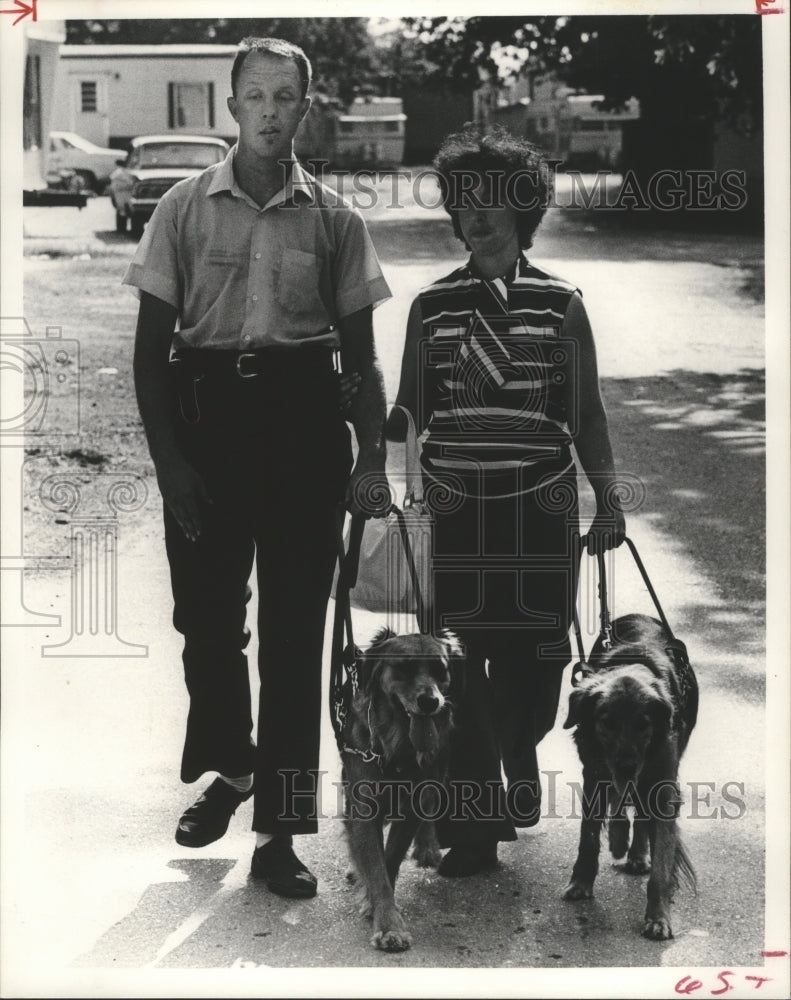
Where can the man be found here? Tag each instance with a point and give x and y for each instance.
(265, 272)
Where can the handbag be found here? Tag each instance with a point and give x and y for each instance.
(384, 582)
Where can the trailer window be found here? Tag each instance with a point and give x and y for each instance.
(89, 97)
(191, 105)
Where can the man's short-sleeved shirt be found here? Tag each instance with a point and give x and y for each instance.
(244, 276)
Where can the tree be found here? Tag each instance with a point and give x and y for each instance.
(688, 70)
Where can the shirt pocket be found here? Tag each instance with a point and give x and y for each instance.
(298, 283)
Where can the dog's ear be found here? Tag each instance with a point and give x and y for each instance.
(457, 654)
(582, 702)
(369, 669)
(661, 709)
(454, 647)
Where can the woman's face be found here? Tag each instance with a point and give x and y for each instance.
(488, 223)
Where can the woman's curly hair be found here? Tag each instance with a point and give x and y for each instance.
(518, 172)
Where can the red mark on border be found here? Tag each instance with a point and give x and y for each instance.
(688, 986)
(22, 9)
(767, 7)
(774, 954)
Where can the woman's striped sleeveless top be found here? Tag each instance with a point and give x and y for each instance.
(501, 417)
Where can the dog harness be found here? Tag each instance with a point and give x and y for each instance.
(344, 657)
(687, 685)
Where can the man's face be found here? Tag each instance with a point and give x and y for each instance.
(268, 105)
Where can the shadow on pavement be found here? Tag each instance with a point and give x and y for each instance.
(163, 908)
(696, 440)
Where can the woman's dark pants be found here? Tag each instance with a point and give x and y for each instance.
(505, 581)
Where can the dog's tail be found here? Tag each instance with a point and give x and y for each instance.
(682, 867)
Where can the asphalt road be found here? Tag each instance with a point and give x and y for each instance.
(100, 901)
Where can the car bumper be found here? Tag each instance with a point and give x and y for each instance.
(142, 208)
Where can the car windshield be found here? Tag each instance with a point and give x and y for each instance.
(178, 154)
(77, 142)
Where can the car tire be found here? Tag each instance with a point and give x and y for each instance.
(87, 180)
(120, 222)
(138, 225)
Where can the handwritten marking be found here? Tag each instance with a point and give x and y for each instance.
(22, 9)
(687, 986)
(774, 954)
(767, 7)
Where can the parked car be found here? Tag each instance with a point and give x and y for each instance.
(91, 164)
(154, 164)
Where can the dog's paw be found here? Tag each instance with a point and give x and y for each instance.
(636, 866)
(577, 889)
(427, 855)
(657, 929)
(390, 933)
(400, 940)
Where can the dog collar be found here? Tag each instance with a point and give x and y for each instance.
(369, 756)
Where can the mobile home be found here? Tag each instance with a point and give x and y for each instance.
(112, 93)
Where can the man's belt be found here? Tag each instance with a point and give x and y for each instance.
(203, 362)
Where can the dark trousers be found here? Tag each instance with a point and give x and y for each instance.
(505, 580)
(274, 453)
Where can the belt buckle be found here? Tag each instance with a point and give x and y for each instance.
(239, 371)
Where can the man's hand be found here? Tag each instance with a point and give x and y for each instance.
(184, 492)
(607, 531)
(368, 490)
(349, 386)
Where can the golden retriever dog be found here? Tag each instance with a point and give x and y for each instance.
(634, 712)
(395, 760)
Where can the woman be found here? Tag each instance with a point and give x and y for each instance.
(499, 371)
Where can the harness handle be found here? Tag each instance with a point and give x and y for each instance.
(420, 606)
(649, 587)
(580, 669)
(344, 653)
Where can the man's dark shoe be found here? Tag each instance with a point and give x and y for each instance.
(277, 865)
(207, 819)
(469, 859)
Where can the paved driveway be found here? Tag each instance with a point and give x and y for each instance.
(99, 899)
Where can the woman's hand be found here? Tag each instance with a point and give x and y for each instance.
(607, 531)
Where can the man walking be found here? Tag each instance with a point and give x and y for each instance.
(250, 275)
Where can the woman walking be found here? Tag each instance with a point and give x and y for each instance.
(499, 371)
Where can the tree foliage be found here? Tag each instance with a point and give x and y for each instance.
(691, 68)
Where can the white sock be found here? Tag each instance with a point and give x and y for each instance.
(243, 784)
(261, 839)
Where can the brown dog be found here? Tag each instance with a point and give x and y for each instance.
(395, 759)
(634, 712)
